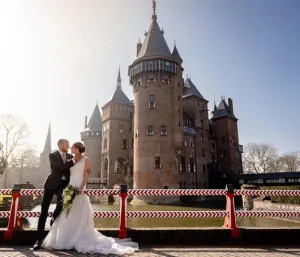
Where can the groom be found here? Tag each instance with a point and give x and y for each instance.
(60, 162)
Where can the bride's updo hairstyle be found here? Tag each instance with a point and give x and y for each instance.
(80, 147)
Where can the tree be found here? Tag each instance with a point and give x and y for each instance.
(14, 132)
(259, 158)
(291, 162)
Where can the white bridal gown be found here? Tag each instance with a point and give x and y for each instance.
(77, 231)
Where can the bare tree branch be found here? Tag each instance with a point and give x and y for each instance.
(14, 132)
(259, 158)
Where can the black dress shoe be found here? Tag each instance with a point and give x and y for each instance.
(37, 245)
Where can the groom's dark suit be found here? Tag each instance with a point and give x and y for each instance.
(55, 183)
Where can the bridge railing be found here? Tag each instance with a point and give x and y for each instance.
(15, 215)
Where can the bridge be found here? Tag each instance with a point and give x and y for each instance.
(271, 179)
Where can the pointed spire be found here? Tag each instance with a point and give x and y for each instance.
(95, 122)
(154, 16)
(154, 43)
(47, 147)
(119, 79)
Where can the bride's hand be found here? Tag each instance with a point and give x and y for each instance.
(80, 192)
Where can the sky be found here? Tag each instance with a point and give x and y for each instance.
(58, 58)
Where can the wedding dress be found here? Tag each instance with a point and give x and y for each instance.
(77, 231)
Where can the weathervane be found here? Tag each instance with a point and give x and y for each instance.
(154, 9)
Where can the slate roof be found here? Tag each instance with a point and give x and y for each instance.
(154, 43)
(95, 122)
(176, 54)
(223, 110)
(190, 89)
(120, 97)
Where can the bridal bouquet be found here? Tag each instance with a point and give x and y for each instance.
(68, 196)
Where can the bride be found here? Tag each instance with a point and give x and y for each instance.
(76, 230)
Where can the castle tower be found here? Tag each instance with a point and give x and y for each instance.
(156, 77)
(117, 138)
(196, 135)
(227, 139)
(92, 138)
(44, 157)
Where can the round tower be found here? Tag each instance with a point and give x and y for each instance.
(92, 138)
(156, 77)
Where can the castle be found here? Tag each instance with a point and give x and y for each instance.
(165, 137)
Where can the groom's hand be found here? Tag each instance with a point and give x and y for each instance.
(87, 172)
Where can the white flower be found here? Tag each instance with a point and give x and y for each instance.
(68, 197)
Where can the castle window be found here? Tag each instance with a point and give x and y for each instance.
(131, 144)
(203, 152)
(192, 170)
(137, 133)
(105, 144)
(121, 129)
(151, 102)
(201, 137)
(191, 142)
(150, 131)
(130, 115)
(213, 158)
(204, 168)
(237, 154)
(157, 164)
(213, 146)
(182, 164)
(179, 124)
(124, 144)
(201, 123)
(164, 130)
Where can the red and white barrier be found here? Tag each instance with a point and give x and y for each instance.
(268, 214)
(177, 192)
(268, 192)
(5, 191)
(176, 214)
(230, 214)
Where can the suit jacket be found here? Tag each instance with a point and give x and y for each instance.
(58, 170)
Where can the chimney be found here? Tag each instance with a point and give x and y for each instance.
(230, 105)
(85, 122)
(138, 47)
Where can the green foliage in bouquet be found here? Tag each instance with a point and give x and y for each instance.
(69, 194)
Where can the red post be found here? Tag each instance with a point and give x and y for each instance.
(230, 221)
(123, 205)
(13, 218)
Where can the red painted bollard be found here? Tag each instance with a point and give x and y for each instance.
(123, 205)
(230, 221)
(14, 220)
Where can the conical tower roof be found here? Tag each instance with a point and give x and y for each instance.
(95, 122)
(154, 43)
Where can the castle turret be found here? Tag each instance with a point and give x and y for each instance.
(117, 138)
(156, 77)
(226, 131)
(92, 138)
